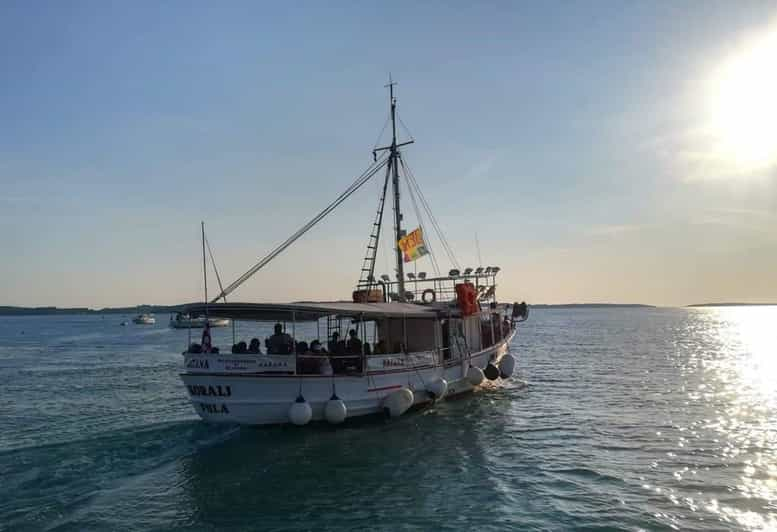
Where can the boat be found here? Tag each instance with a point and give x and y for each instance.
(399, 342)
(185, 321)
(144, 319)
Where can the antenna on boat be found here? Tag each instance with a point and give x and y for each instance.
(477, 245)
(204, 268)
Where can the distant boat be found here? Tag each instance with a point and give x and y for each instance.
(123, 324)
(184, 321)
(144, 319)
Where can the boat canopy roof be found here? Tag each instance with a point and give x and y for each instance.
(310, 311)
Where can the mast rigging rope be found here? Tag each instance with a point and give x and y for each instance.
(446, 246)
(421, 224)
(356, 185)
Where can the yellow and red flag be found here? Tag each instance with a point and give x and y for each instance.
(412, 245)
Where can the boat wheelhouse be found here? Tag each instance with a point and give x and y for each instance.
(401, 341)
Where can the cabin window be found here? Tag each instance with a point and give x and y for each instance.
(415, 334)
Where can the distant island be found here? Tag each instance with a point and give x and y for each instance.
(45, 311)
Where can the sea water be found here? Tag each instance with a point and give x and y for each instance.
(619, 418)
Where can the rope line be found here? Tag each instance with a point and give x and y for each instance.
(421, 223)
(356, 185)
(428, 209)
(215, 269)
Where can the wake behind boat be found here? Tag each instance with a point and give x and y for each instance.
(401, 341)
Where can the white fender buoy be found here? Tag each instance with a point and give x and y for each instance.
(506, 366)
(475, 376)
(300, 412)
(397, 403)
(491, 372)
(335, 410)
(437, 388)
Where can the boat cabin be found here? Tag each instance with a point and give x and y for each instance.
(345, 338)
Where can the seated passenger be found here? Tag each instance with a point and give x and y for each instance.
(380, 348)
(354, 345)
(239, 348)
(324, 366)
(253, 347)
(280, 343)
(307, 362)
(195, 348)
(341, 348)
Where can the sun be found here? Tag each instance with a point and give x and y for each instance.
(742, 105)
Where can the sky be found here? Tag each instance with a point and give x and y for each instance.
(598, 151)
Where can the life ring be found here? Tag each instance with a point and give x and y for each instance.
(428, 291)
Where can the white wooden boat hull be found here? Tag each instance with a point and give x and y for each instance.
(261, 399)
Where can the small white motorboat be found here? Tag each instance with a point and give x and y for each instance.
(185, 321)
(144, 319)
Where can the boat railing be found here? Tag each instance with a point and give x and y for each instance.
(422, 289)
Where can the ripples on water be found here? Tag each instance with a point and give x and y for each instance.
(628, 419)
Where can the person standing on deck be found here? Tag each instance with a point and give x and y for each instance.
(354, 345)
(280, 343)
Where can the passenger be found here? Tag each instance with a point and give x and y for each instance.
(354, 345)
(307, 362)
(195, 348)
(380, 348)
(506, 326)
(333, 342)
(253, 347)
(341, 348)
(280, 343)
(240, 348)
(324, 366)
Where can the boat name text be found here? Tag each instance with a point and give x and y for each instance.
(214, 409)
(212, 391)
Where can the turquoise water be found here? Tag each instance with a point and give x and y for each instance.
(620, 419)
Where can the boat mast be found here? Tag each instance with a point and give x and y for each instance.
(394, 167)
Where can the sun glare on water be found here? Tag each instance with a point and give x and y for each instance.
(742, 105)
